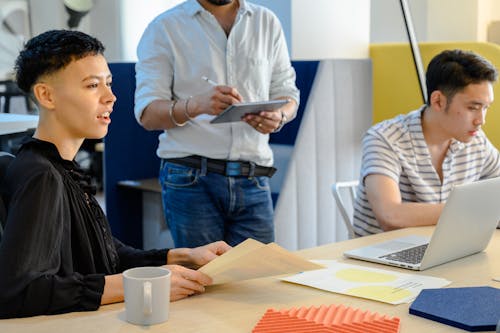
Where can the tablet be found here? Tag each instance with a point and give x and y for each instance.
(236, 111)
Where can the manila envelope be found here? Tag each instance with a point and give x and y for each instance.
(252, 259)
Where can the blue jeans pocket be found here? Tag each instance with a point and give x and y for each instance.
(261, 183)
(174, 175)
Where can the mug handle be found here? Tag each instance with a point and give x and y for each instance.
(148, 301)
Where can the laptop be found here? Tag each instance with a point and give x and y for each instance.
(465, 227)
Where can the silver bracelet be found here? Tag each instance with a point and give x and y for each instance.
(171, 113)
(282, 123)
(186, 113)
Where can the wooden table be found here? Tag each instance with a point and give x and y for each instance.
(238, 307)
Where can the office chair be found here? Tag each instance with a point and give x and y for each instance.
(5, 159)
(336, 191)
(10, 90)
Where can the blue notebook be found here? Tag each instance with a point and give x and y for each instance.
(473, 308)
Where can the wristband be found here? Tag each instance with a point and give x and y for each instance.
(171, 113)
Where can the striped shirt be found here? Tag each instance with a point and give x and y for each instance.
(396, 148)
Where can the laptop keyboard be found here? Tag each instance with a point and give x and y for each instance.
(412, 255)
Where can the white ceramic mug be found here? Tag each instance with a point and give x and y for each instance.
(147, 295)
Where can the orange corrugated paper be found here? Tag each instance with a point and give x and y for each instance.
(325, 319)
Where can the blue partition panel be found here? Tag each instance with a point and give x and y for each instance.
(129, 153)
(306, 72)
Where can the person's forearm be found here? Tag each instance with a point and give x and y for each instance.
(165, 114)
(405, 215)
(158, 115)
(180, 256)
(113, 289)
(289, 109)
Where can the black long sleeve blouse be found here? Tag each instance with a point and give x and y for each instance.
(57, 244)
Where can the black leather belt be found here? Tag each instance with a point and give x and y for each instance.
(223, 167)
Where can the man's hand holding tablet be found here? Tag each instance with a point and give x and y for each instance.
(265, 116)
(237, 112)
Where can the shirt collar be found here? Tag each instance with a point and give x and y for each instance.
(49, 150)
(244, 8)
(193, 7)
(456, 146)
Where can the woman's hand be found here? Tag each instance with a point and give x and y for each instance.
(198, 256)
(186, 282)
(202, 255)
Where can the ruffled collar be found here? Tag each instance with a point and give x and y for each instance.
(73, 169)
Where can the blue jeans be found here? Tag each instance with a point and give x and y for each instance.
(203, 207)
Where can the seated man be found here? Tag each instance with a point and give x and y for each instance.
(411, 162)
(57, 253)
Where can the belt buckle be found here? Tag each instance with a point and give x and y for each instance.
(233, 169)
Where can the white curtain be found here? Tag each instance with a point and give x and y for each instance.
(327, 149)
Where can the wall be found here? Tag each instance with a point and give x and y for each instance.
(309, 28)
(12, 34)
(330, 29)
(387, 23)
(443, 20)
(135, 17)
(108, 21)
(283, 9)
(495, 11)
(454, 27)
(295, 17)
(103, 21)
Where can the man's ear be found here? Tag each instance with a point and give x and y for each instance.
(438, 100)
(44, 95)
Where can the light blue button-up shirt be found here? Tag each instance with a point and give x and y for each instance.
(185, 43)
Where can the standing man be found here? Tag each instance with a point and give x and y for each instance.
(214, 177)
(411, 162)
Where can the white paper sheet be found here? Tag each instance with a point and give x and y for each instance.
(371, 283)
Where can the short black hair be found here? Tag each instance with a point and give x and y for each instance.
(452, 70)
(51, 51)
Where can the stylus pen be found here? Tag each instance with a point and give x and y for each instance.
(209, 81)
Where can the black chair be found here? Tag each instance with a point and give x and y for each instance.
(5, 159)
(10, 89)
